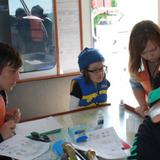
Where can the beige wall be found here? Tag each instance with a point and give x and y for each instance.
(41, 97)
(48, 96)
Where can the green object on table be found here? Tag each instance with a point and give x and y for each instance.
(51, 132)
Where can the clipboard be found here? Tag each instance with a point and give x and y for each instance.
(132, 109)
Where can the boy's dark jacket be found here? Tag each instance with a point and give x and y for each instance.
(146, 145)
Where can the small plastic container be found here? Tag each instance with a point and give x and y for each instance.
(121, 109)
(121, 103)
(77, 133)
(100, 119)
(56, 149)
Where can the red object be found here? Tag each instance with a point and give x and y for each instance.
(101, 3)
(2, 111)
(36, 30)
(125, 145)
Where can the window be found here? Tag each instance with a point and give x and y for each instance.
(48, 35)
(112, 21)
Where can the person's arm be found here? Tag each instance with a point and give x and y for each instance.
(74, 102)
(13, 113)
(141, 98)
(75, 95)
(7, 130)
(140, 95)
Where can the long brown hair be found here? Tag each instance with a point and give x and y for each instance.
(140, 34)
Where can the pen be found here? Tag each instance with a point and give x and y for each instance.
(51, 132)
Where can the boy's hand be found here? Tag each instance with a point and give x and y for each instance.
(7, 130)
(13, 114)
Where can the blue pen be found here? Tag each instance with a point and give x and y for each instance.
(79, 131)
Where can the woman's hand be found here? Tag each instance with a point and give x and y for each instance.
(142, 110)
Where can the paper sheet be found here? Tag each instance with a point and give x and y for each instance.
(40, 126)
(105, 142)
(23, 148)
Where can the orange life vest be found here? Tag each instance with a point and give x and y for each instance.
(33, 26)
(36, 30)
(144, 79)
(2, 111)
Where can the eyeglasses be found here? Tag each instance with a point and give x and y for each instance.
(95, 71)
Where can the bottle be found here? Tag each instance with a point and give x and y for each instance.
(121, 108)
(100, 119)
(121, 102)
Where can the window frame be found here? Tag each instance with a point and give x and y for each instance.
(43, 75)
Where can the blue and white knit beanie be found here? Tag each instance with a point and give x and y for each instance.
(89, 56)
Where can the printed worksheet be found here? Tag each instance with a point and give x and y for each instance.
(20, 147)
(105, 142)
(23, 148)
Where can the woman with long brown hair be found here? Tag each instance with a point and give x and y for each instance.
(144, 61)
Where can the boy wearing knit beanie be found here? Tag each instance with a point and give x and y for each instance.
(90, 88)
